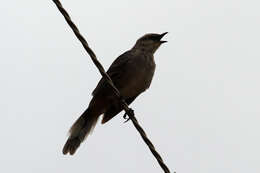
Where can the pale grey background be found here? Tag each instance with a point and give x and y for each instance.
(201, 112)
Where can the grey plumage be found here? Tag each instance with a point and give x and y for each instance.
(132, 73)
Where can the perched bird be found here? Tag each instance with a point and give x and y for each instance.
(132, 73)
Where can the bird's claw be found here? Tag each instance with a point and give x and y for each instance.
(126, 117)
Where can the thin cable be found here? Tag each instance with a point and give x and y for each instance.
(128, 110)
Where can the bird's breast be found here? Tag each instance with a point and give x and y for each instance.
(139, 78)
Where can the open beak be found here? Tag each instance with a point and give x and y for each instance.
(161, 36)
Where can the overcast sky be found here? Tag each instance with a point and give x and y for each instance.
(202, 111)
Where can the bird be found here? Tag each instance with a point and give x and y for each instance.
(132, 73)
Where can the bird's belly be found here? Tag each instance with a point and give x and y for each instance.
(137, 83)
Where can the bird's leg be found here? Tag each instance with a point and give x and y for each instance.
(126, 117)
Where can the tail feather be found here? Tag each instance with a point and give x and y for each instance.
(79, 131)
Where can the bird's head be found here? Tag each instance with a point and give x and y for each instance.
(150, 42)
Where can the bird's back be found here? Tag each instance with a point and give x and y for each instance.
(131, 72)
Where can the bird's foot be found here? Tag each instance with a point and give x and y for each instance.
(126, 116)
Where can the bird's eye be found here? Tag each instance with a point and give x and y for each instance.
(154, 38)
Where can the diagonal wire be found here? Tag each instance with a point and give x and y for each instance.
(128, 110)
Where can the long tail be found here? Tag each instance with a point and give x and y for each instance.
(79, 131)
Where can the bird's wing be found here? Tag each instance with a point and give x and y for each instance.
(116, 72)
